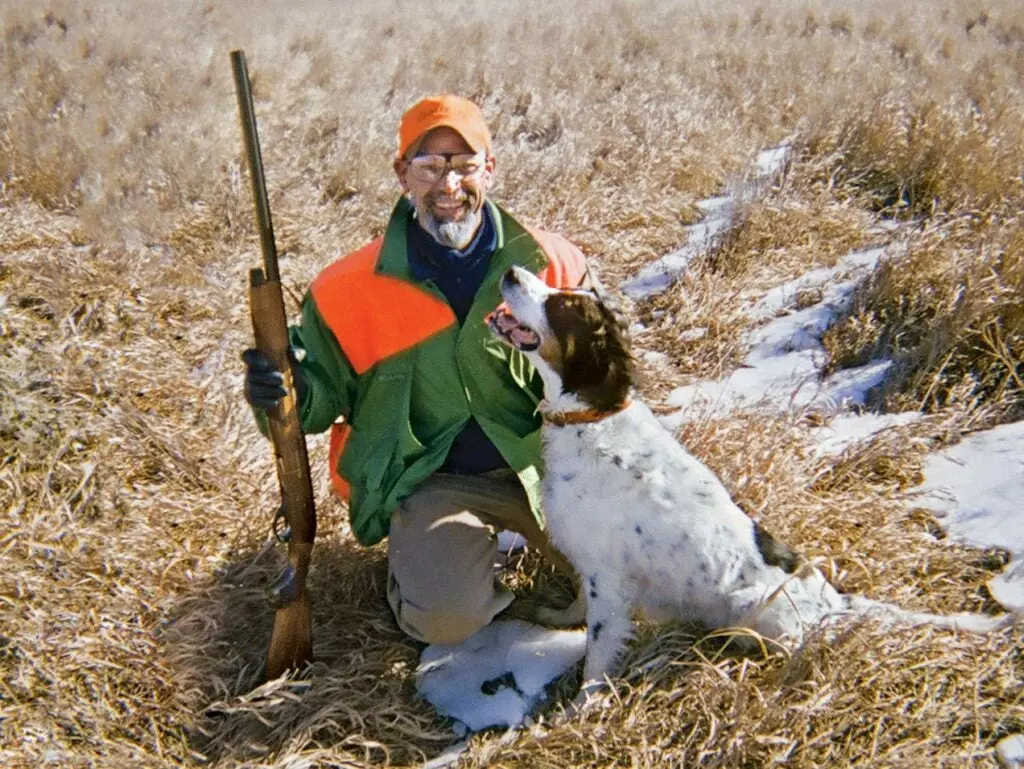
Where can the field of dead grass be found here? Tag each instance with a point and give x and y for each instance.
(135, 492)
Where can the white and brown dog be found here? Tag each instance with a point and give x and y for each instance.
(646, 524)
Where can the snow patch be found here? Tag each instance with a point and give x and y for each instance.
(771, 162)
(782, 369)
(1010, 752)
(498, 676)
(662, 273)
(510, 542)
(845, 430)
(976, 489)
(781, 298)
(719, 217)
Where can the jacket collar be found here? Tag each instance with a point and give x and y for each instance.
(394, 253)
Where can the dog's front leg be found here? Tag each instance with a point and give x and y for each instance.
(609, 625)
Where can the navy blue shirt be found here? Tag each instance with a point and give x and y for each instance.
(459, 275)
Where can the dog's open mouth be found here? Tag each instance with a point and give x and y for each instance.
(507, 326)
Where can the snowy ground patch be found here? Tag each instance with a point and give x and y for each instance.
(976, 489)
(498, 676)
(662, 273)
(847, 430)
(510, 542)
(719, 217)
(782, 370)
(1010, 752)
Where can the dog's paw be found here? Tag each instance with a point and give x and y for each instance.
(588, 699)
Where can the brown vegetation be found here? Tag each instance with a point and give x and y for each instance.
(135, 492)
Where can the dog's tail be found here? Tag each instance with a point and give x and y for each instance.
(890, 613)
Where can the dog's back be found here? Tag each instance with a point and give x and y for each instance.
(649, 526)
(626, 502)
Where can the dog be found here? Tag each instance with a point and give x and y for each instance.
(646, 525)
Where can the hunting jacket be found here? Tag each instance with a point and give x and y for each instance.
(395, 378)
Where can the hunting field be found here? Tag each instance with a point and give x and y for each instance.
(136, 493)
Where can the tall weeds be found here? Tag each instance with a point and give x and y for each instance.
(135, 492)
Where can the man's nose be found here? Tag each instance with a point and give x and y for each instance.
(450, 180)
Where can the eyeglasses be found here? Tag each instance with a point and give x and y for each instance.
(432, 168)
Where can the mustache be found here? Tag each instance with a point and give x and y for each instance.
(472, 198)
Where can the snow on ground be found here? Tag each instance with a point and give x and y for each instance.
(659, 275)
(719, 216)
(510, 541)
(1010, 752)
(976, 489)
(498, 676)
(783, 368)
(847, 429)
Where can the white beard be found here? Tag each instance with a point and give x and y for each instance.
(455, 235)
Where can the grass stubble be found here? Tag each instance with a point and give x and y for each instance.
(135, 493)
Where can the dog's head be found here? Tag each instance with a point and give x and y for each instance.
(573, 338)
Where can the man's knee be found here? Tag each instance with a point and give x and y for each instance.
(442, 626)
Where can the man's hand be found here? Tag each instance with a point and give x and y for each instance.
(264, 383)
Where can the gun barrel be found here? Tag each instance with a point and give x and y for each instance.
(243, 88)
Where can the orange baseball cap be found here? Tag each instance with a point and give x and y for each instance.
(444, 110)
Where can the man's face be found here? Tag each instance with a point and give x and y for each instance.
(449, 206)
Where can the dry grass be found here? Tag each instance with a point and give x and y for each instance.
(951, 311)
(135, 492)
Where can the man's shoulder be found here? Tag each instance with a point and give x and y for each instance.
(552, 241)
(357, 263)
(567, 266)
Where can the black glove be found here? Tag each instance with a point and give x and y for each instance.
(264, 383)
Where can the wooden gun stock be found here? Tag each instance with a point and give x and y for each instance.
(291, 641)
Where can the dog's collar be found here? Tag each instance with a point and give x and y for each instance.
(563, 418)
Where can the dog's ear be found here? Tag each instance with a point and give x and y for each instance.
(610, 301)
(597, 364)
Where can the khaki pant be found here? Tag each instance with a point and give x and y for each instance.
(442, 582)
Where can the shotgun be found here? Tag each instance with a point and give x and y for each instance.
(291, 643)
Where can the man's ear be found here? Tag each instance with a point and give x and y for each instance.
(401, 167)
(490, 163)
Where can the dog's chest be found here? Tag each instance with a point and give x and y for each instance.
(623, 493)
(607, 477)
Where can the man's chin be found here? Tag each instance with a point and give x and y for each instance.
(453, 233)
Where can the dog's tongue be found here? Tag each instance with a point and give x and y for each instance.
(503, 318)
(523, 337)
(516, 332)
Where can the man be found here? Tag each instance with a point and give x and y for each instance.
(435, 434)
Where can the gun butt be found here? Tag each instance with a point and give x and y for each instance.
(291, 643)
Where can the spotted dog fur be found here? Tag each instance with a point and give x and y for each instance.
(645, 523)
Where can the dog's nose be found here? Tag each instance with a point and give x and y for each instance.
(509, 280)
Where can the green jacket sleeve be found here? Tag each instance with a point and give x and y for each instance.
(329, 378)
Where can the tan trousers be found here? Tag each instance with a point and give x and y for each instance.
(442, 549)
